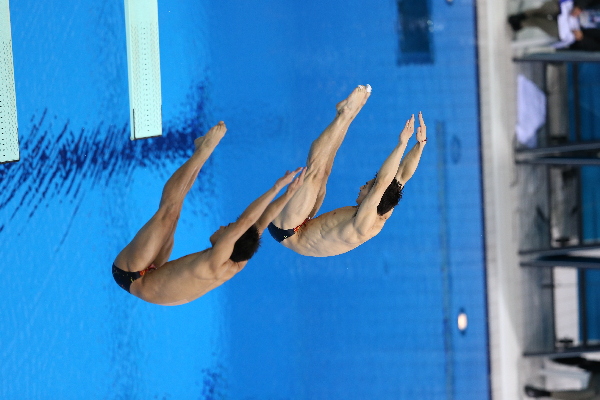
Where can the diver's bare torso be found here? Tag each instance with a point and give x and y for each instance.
(332, 233)
(206, 279)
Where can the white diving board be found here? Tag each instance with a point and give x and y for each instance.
(9, 132)
(143, 66)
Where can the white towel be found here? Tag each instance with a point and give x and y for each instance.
(531, 113)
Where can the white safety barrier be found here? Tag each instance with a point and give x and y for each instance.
(9, 137)
(143, 64)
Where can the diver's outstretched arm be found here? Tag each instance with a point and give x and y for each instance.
(277, 205)
(367, 211)
(222, 249)
(410, 162)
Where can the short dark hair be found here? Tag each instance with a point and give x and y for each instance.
(391, 197)
(246, 245)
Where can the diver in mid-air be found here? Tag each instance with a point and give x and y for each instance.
(345, 228)
(142, 267)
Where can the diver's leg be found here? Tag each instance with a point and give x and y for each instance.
(154, 242)
(307, 200)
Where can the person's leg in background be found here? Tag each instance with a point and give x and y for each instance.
(543, 17)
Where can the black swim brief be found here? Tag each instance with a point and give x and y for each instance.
(281, 234)
(126, 278)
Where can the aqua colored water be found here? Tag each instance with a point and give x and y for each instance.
(376, 323)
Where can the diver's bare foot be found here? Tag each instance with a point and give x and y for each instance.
(357, 99)
(212, 137)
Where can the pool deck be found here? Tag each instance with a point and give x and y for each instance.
(505, 280)
(515, 323)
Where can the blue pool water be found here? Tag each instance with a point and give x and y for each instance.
(378, 322)
(589, 120)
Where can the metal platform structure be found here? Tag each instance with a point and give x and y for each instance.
(563, 245)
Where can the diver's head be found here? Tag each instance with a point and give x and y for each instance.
(245, 247)
(389, 199)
